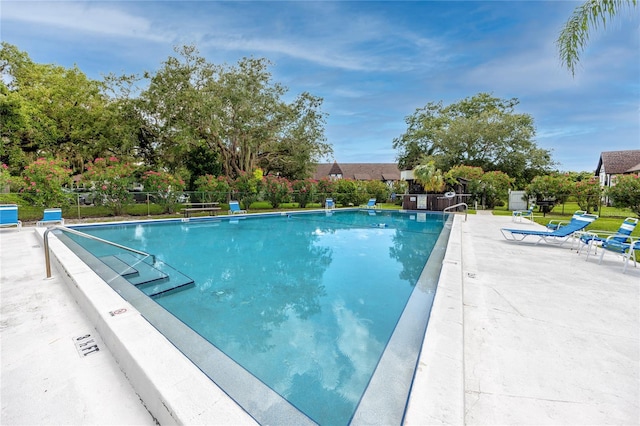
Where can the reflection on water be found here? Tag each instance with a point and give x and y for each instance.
(306, 303)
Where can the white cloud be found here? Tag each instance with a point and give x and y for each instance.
(82, 17)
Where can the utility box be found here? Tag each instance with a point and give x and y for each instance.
(517, 200)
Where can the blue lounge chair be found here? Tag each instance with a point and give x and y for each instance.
(371, 204)
(592, 239)
(627, 250)
(9, 215)
(329, 203)
(51, 216)
(234, 207)
(559, 236)
(555, 224)
(517, 215)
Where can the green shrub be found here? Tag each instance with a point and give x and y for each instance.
(626, 192)
(350, 192)
(378, 190)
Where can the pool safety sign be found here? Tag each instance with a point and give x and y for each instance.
(86, 345)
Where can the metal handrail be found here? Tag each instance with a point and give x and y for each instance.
(466, 207)
(82, 234)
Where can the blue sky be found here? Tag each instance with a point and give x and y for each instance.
(373, 63)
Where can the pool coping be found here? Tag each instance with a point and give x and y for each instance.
(173, 389)
(437, 394)
(172, 398)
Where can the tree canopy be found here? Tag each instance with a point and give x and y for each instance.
(228, 119)
(47, 111)
(481, 131)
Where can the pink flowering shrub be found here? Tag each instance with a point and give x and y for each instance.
(5, 176)
(164, 187)
(326, 187)
(555, 187)
(626, 192)
(304, 191)
(111, 180)
(44, 179)
(588, 193)
(277, 190)
(214, 188)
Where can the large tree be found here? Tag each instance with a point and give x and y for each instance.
(481, 131)
(575, 33)
(51, 111)
(237, 112)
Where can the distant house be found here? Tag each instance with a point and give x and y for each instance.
(613, 163)
(383, 172)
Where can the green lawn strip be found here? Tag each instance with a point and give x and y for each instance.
(28, 213)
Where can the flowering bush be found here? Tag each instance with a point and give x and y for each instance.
(326, 187)
(588, 193)
(626, 192)
(304, 191)
(165, 188)
(277, 190)
(111, 180)
(554, 187)
(44, 179)
(216, 188)
(5, 176)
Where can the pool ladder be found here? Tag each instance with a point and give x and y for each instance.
(466, 207)
(82, 234)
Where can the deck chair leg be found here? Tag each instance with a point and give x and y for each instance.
(631, 254)
(592, 242)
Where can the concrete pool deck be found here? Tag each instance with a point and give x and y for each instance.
(519, 334)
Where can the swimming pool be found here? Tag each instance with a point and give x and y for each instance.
(310, 304)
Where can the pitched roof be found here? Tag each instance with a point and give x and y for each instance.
(359, 171)
(335, 169)
(634, 169)
(618, 162)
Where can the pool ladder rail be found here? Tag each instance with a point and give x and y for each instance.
(153, 279)
(455, 206)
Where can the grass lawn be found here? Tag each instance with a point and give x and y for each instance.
(27, 213)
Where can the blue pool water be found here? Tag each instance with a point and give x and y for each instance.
(306, 303)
